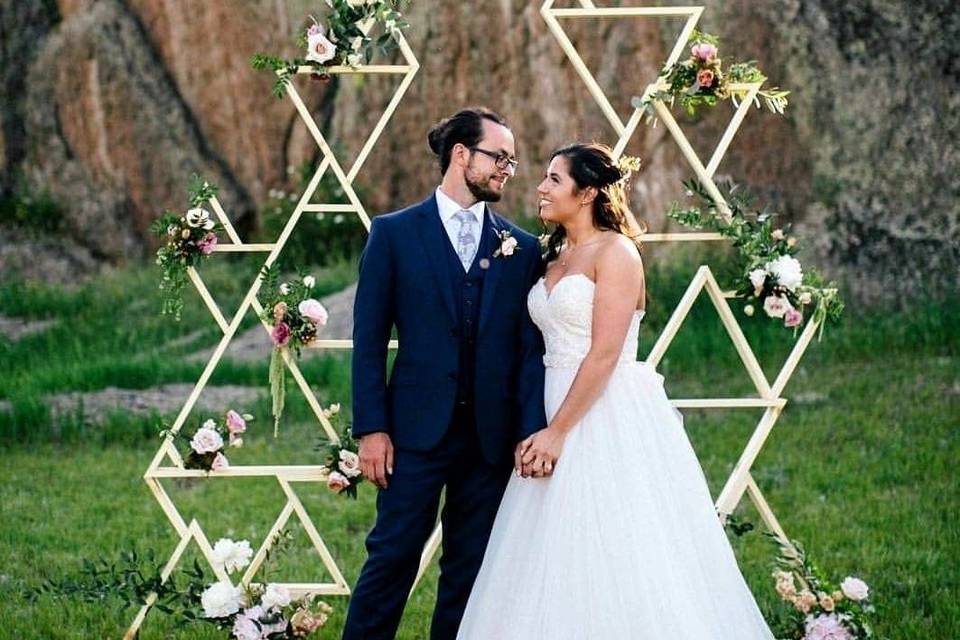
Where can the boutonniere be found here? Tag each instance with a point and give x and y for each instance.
(508, 244)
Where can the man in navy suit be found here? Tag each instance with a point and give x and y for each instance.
(467, 383)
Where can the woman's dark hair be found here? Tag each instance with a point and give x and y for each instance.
(464, 127)
(592, 165)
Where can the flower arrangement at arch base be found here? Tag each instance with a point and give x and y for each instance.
(340, 39)
(771, 276)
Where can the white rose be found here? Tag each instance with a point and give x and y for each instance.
(775, 306)
(221, 599)
(313, 311)
(349, 463)
(275, 596)
(855, 588)
(319, 49)
(232, 556)
(508, 246)
(199, 218)
(787, 271)
(206, 441)
(284, 289)
(309, 281)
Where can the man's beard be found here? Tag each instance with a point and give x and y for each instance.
(481, 191)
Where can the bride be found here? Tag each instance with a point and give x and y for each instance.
(608, 531)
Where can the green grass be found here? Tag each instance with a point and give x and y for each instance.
(861, 470)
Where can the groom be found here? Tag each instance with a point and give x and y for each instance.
(467, 383)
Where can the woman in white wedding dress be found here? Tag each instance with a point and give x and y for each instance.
(608, 531)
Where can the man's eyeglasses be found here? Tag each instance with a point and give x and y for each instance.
(502, 160)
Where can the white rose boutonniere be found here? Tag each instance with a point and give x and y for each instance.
(508, 244)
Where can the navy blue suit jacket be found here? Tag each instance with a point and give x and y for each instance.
(404, 283)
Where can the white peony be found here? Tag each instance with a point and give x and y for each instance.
(245, 628)
(221, 599)
(206, 440)
(787, 271)
(232, 556)
(349, 463)
(855, 588)
(319, 49)
(275, 596)
(775, 306)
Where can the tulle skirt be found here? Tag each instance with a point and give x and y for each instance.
(621, 543)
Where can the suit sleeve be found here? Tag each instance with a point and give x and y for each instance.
(372, 323)
(532, 413)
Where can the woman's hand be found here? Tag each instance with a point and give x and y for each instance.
(539, 453)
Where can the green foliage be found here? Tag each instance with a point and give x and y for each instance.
(37, 211)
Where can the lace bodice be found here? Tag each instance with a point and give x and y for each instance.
(565, 317)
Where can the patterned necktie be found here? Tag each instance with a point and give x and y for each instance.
(466, 238)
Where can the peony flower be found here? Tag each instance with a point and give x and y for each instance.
(705, 78)
(826, 627)
(787, 271)
(775, 306)
(280, 334)
(221, 599)
(349, 463)
(792, 318)
(757, 278)
(232, 556)
(303, 623)
(337, 482)
(704, 51)
(313, 311)
(235, 422)
(199, 218)
(855, 588)
(275, 596)
(309, 282)
(206, 441)
(777, 234)
(245, 628)
(508, 246)
(219, 462)
(207, 244)
(748, 310)
(319, 49)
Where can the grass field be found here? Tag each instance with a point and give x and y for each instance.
(861, 467)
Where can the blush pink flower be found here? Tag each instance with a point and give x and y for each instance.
(705, 78)
(792, 318)
(704, 51)
(337, 482)
(219, 462)
(235, 422)
(207, 244)
(281, 334)
(826, 627)
(206, 440)
(313, 311)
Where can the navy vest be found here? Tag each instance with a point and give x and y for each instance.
(467, 290)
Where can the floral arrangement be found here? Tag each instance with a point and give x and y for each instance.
(252, 612)
(295, 318)
(340, 39)
(207, 444)
(821, 610)
(343, 458)
(771, 276)
(189, 238)
(508, 244)
(700, 80)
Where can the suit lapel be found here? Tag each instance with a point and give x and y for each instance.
(494, 272)
(432, 236)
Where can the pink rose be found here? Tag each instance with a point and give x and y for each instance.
(705, 78)
(775, 306)
(206, 440)
(792, 318)
(207, 244)
(235, 422)
(313, 311)
(219, 462)
(704, 51)
(826, 627)
(337, 482)
(281, 334)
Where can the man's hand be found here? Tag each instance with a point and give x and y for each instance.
(376, 458)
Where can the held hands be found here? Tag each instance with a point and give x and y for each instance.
(376, 458)
(537, 455)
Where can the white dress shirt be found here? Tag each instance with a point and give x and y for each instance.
(449, 208)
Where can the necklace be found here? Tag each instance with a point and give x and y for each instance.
(570, 249)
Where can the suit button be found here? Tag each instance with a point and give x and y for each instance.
(452, 376)
(469, 284)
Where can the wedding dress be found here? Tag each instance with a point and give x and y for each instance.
(622, 542)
